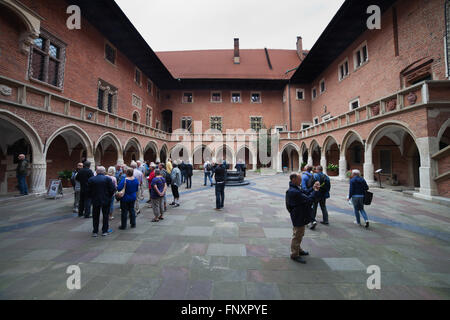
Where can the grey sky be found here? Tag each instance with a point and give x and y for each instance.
(212, 24)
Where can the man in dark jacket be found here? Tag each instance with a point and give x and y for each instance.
(182, 167)
(83, 176)
(299, 204)
(100, 189)
(189, 174)
(21, 174)
(219, 175)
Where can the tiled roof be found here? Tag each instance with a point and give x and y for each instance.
(219, 64)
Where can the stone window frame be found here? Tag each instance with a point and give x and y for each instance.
(324, 86)
(134, 101)
(135, 112)
(326, 117)
(107, 43)
(314, 95)
(341, 76)
(350, 103)
(315, 121)
(186, 118)
(183, 95)
(149, 116)
(252, 122)
(279, 127)
(150, 84)
(260, 97)
(136, 71)
(357, 52)
(215, 120)
(49, 38)
(296, 94)
(108, 90)
(240, 97)
(309, 124)
(214, 93)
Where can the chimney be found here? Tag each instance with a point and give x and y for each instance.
(236, 51)
(300, 47)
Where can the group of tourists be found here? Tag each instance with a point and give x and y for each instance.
(308, 190)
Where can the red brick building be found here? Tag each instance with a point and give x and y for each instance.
(360, 98)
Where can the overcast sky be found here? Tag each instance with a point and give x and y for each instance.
(212, 24)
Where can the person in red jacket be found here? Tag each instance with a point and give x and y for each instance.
(149, 179)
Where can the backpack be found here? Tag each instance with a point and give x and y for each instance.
(72, 179)
(208, 167)
(167, 177)
(324, 183)
(310, 182)
(288, 207)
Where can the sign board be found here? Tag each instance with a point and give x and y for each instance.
(54, 189)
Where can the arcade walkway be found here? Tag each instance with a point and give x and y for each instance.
(239, 253)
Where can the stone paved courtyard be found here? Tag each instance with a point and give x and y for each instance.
(239, 253)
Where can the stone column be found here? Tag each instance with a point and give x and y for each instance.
(368, 166)
(38, 177)
(342, 168)
(310, 159)
(427, 172)
(323, 163)
(92, 161)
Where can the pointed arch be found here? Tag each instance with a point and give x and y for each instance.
(113, 138)
(349, 138)
(77, 131)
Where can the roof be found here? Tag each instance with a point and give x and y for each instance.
(219, 64)
(111, 21)
(346, 26)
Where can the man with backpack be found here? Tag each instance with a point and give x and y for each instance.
(208, 172)
(307, 179)
(299, 204)
(324, 194)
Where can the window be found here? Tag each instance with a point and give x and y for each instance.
(256, 123)
(136, 101)
(110, 53)
(188, 97)
(279, 128)
(47, 62)
(354, 104)
(386, 161)
(361, 56)
(149, 116)
(322, 86)
(314, 93)
(316, 120)
(186, 123)
(300, 94)
(216, 123)
(216, 97)
(137, 76)
(149, 86)
(236, 97)
(107, 97)
(255, 97)
(343, 70)
(136, 116)
(306, 125)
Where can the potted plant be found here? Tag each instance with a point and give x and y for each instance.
(65, 176)
(332, 169)
(348, 174)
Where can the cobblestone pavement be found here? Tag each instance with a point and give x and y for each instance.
(241, 252)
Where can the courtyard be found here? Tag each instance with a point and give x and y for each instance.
(239, 253)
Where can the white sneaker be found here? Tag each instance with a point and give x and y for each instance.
(355, 222)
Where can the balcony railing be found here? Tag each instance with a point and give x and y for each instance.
(418, 95)
(27, 96)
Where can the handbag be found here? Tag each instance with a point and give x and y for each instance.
(119, 194)
(368, 196)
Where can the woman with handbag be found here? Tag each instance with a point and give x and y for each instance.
(358, 188)
(128, 188)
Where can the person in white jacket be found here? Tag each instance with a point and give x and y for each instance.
(176, 182)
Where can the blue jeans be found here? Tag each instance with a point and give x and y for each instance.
(111, 208)
(208, 175)
(127, 207)
(358, 206)
(22, 184)
(220, 195)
